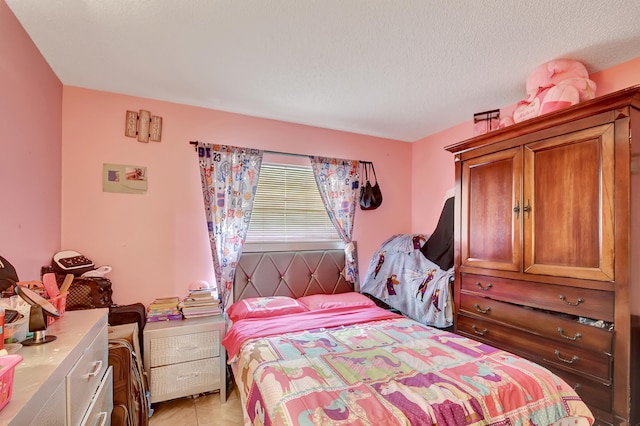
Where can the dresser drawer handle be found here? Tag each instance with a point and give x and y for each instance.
(568, 361)
(97, 366)
(482, 311)
(574, 338)
(564, 299)
(479, 284)
(475, 330)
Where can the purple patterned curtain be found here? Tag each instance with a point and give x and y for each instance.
(338, 182)
(229, 178)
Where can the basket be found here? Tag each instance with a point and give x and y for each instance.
(16, 332)
(7, 367)
(60, 303)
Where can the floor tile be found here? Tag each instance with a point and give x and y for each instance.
(180, 411)
(202, 410)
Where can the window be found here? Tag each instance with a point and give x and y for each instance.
(288, 208)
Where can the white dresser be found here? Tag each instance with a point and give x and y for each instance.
(67, 381)
(185, 357)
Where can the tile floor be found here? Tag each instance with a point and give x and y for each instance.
(203, 410)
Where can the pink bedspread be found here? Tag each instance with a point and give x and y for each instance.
(391, 371)
(260, 327)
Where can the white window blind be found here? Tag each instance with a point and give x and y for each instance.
(288, 208)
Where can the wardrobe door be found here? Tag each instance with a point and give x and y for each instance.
(568, 195)
(491, 211)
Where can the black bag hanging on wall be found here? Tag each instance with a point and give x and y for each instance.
(370, 195)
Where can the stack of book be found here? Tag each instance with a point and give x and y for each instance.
(164, 309)
(200, 303)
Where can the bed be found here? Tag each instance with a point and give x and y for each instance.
(341, 360)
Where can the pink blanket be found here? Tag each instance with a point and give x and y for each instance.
(246, 329)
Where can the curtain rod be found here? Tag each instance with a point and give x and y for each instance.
(195, 145)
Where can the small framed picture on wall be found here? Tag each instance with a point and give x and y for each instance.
(124, 178)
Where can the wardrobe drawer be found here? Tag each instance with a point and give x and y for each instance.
(555, 327)
(593, 393)
(86, 376)
(589, 303)
(537, 349)
(186, 347)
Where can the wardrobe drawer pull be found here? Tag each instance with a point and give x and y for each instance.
(568, 361)
(475, 330)
(482, 311)
(479, 284)
(564, 299)
(574, 338)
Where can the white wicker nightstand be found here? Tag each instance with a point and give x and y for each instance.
(185, 357)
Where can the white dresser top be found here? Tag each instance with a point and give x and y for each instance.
(45, 366)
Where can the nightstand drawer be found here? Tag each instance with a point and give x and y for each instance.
(176, 380)
(181, 348)
(185, 357)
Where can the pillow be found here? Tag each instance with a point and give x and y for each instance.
(263, 307)
(325, 301)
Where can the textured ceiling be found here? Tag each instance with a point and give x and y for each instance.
(401, 69)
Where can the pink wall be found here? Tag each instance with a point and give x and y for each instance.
(157, 242)
(30, 151)
(433, 168)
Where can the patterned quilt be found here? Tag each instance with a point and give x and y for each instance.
(394, 372)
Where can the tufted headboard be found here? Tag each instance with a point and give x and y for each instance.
(290, 273)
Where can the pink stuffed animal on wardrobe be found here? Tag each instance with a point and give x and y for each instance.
(552, 86)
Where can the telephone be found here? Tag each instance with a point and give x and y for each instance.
(71, 262)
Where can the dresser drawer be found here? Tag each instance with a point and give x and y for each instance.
(589, 303)
(99, 412)
(177, 380)
(536, 348)
(186, 347)
(555, 327)
(54, 411)
(85, 377)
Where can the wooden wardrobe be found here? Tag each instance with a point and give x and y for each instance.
(547, 240)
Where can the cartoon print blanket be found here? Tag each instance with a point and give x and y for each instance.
(400, 275)
(395, 372)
